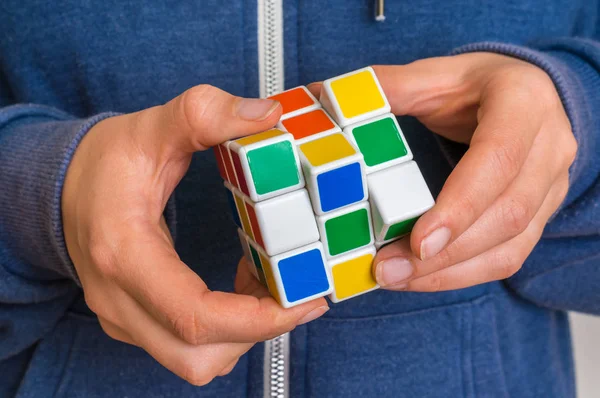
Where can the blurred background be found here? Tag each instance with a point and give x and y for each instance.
(586, 340)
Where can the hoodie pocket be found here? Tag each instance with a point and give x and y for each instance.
(449, 351)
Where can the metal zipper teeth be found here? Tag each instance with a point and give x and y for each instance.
(271, 78)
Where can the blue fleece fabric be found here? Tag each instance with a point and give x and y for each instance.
(65, 65)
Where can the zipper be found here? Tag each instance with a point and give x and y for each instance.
(271, 81)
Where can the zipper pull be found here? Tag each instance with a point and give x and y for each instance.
(379, 15)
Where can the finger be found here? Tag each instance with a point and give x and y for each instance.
(498, 263)
(115, 332)
(315, 88)
(500, 145)
(196, 364)
(246, 283)
(505, 219)
(204, 116)
(227, 369)
(181, 301)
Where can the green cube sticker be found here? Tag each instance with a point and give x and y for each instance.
(258, 265)
(348, 232)
(273, 167)
(401, 228)
(379, 141)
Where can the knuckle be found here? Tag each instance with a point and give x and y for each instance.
(507, 157)
(506, 264)
(434, 283)
(196, 374)
(516, 217)
(102, 257)
(94, 303)
(195, 104)
(186, 326)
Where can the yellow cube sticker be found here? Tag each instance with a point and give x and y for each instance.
(357, 94)
(353, 277)
(327, 149)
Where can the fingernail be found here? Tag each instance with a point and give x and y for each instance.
(314, 314)
(393, 271)
(255, 109)
(435, 242)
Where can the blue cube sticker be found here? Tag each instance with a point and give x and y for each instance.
(340, 187)
(303, 275)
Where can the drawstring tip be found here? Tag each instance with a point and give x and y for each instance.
(379, 15)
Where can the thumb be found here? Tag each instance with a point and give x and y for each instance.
(204, 116)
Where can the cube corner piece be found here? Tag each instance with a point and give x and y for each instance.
(334, 172)
(381, 142)
(266, 164)
(352, 274)
(353, 97)
(398, 196)
(296, 101)
(297, 276)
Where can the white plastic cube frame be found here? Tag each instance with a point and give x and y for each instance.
(246, 250)
(241, 151)
(321, 220)
(347, 257)
(274, 265)
(312, 172)
(331, 105)
(316, 104)
(348, 131)
(285, 222)
(333, 130)
(397, 194)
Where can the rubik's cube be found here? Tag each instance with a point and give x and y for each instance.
(316, 197)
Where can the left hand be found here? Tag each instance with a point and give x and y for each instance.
(494, 206)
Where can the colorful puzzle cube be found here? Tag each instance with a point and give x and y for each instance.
(352, 274)
(334, 173)
(296, 276)
(381, 142)
(398, 196)
(283, 223)
(354, 97)
(352, 213)
(346, 229)
(266, 164)
(309, 126)
(296, 101)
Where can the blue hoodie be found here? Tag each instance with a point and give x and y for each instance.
(65, 65)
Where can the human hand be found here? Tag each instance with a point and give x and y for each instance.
(115, 192)
(494, 206)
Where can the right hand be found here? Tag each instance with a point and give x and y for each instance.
(115, 192)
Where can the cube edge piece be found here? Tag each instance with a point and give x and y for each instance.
(371, 249)
(322, 219)
(242, 150)
(336, 129)
(333, 108)
(316, 104)
(390, 163)
(274, 263)
(312, 172)
(270, 248)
